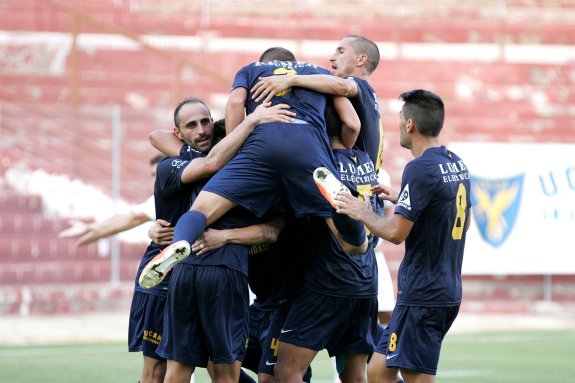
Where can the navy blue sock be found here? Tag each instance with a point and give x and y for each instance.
(351, 231)
(190, 227)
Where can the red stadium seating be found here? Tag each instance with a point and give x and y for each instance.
(60, 121)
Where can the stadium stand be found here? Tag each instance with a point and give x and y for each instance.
(67, 67)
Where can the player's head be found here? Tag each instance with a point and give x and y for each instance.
(422, 110)
(277, 53)
(154, 163)
(355, 55)
(194, 124)
(219, 129)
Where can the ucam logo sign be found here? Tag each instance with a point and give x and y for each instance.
(523, 213)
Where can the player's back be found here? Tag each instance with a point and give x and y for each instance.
(308, 105)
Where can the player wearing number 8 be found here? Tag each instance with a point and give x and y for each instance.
(432, 217)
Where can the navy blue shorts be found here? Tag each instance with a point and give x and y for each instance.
(412, 340)
(342, 325)
(146, 322)
(270, 345)
(206, 315)
(278, 159)
(259, 325)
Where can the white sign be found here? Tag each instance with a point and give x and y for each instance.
(523, 214)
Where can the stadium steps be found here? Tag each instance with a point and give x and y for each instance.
(70, 298)
(448, 21)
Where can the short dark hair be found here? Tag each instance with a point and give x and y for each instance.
(363, 45)
(277, 53)
(191, 100)
(426, 109)
(156, 159)
(219, 128)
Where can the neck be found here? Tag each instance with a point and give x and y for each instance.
(421, 144)
(359, 73)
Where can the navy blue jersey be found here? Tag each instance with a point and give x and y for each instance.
(231, 255)
(172, 199)
(370, 137)
(308, 105)
(294, 257)
(262, 263)
(435, 195)
(335, 272)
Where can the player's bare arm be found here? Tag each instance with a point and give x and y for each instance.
(166, 142)
(267, 232)
(350, 120)
(267, 87)
(394, 229)
(235, 108)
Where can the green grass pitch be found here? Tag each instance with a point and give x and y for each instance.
(533, 356)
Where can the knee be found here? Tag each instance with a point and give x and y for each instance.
(154, 372)
(285, 373)
(159, 372)
(381, 374)
(266, 378)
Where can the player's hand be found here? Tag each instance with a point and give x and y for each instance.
(161, 232)
(385, 193)
(267, 113)
(355, 208)
(211, 240)
(76, 229)
(267, 87)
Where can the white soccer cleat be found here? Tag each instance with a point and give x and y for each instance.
(328, 184)
(157, 269)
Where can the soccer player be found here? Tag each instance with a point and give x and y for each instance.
(432, 216)
(276, 273)
(178, 180)
(337, 307)
(277, 160)
(354, 60)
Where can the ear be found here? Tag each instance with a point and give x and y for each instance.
(362, 59)
(178, 134)
(410, 126)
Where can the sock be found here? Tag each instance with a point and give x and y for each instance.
(245, 377)
(339, 363)
(190, 227)
(351, 231)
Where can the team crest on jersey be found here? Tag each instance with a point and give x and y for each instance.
(404, 200)
(495, 206)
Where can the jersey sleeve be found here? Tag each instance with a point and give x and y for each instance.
(169, 174)
(242, 78)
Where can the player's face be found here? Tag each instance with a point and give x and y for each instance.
(404, 139)
(196, 127)
(343, 61)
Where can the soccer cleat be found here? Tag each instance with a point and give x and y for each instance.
(328, 184)
(157, 269)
